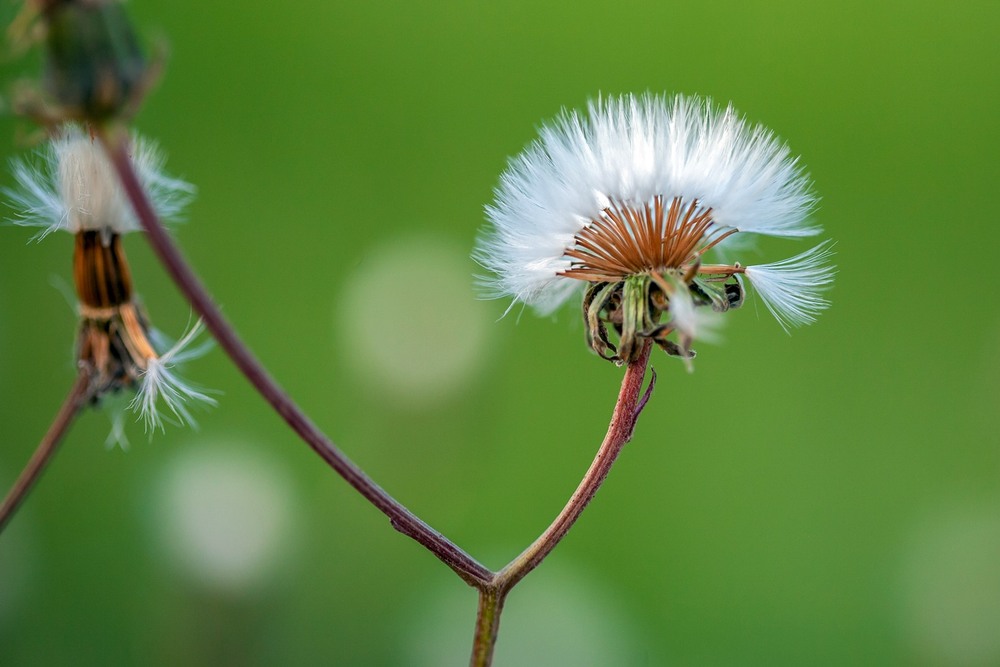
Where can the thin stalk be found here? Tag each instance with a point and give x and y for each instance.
(620, 429)
(623, 420)
(78, 396)
(401, 518)
(491, 602)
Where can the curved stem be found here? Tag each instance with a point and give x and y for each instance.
(623, 420)
(402, 519)
(78, 396)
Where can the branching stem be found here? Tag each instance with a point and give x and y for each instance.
(493, 586)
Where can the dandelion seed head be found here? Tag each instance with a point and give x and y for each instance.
(630, 150)
(650, 187)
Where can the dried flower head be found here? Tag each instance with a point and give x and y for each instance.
(95, 70)
(626, 201)
(71, 186)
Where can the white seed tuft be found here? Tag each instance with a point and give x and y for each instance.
(792, 289)
(160, 381)
(70, 185)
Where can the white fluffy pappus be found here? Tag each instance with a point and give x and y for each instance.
(160, 381)
(792, 289)
(626, 154)
(70, 185)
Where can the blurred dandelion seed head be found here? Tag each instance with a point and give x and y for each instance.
(70, 185)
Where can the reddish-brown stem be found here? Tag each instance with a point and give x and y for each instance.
(78, 396)
(619, 432)
(191, 287)
(623, 421)
(493, 587)
(727, 269)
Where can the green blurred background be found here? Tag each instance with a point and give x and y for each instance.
(828, 498)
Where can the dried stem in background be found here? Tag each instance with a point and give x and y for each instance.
(402, 519)
(78, 397)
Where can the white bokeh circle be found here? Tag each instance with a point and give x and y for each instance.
(409, 322)
(225, 516)
(950, 602)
